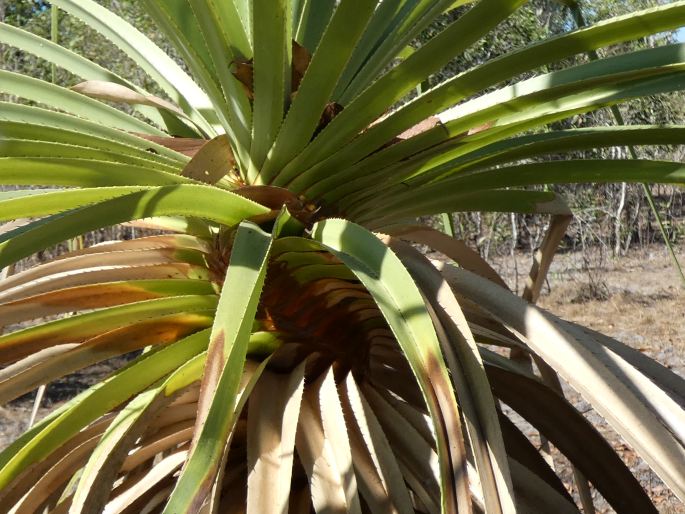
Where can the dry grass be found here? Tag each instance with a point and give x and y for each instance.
(645, 307)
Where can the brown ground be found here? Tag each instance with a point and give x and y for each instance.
(637, 299)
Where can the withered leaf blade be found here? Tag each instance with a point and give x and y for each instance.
(113, 92)
(212, 162)
(301, 59)
(419, 128)
(186, 145)
(330, 111)
(244, 72)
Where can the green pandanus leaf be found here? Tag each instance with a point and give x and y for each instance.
(504, 112)
(22, 343)
(61, 360)
(272, 34)
(315, 90)
(292, 361)
(154, 258)
(36, 445)
(162, 68)
(469, 379)
(41, 149)
(52, 52)
(183, 199)
(33, 123)
(390, 284)
(370, 104)
(481, 77)
(105, 461)
(72, 102)
(219, 403)
(96, 296)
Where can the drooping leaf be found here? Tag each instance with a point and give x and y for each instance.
(218, 406)
(388, 281)
(53, 431)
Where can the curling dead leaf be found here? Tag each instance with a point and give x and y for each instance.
(274, 407)
(186, 145)
(211, 162)
(301, 59)
(244, 72)
(112, 92)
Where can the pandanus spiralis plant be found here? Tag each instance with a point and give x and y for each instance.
(295, 350)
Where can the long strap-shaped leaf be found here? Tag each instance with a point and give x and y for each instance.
(105, 266)
(317, 85)
(77, 328)
(411, 441)
(310, 22)
(225, 40)
(471, 383)
(569, 353)
(274, 408)
(245, 8)
(559, 172)
(432, 151)
(186, 200)
(48, 365)
(176, 19)
(565, 172)
(390, 284)
(505, 200)
(95, 483)
(34, 203)
(574, 436)
(70, 101)
(41, 149)
(574, 7)
(649, 62)
(95, 296)
(272, 72)
(536, 102)
(531, 145)
(384, 490)
(452, 248)
(413, 18)
(48, 435)
(65, 128)
(324, 449)
(234, 29)
(82, 67)
(507, 150)
(399, 81)
(667, 380)
(66, 171)
(393, 25)
(24, 140)
(218, 407)
(612, 31)
(163, 70)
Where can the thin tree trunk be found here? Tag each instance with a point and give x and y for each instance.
(514, 242)
(617, 221)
